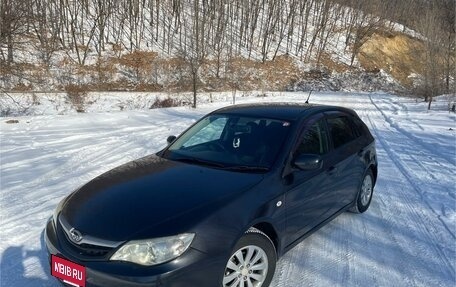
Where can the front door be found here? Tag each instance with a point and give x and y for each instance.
(311, 195)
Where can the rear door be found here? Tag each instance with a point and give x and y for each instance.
(346, 152)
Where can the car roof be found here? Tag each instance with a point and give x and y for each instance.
(280, 110)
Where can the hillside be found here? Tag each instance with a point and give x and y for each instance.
(105, 45)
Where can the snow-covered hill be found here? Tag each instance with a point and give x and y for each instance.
(406, 238)
(151, 46)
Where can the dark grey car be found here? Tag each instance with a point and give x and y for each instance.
(220, 204)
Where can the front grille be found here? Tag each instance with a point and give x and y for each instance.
(89, 249)
(85, 250)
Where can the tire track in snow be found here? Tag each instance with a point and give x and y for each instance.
(417, 141)
(420, 217)
(404, 257)
(379, 209)
(397, 106)
(417, 165)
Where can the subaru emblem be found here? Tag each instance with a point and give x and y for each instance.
(75, 235)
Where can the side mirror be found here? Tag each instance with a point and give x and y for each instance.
(170, 139)
(308, 162)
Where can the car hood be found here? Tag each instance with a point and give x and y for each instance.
(133, 198)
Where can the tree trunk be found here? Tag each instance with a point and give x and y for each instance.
(194, 78)
(448, 65)
(10, 49)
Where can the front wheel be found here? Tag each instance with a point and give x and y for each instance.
(252, 263)
(365, 193)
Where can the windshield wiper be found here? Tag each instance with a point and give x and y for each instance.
(199, 161)
(247, 168)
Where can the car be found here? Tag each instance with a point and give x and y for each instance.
(220, 203)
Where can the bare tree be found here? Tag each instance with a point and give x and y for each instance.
(194, 52)
(214, 33)
(219, 36)
(47, 28)
(364, 25)
(12, 24)
(448, 12)
(433, 70)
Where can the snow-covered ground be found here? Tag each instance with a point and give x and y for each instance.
(406, 238)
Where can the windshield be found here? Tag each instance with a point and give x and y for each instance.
(231, 141)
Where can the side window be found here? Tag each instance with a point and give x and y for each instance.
(314, 140)
(340, 130)
(359, 126)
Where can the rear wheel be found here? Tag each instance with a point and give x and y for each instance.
(365, 193)
(252, 263)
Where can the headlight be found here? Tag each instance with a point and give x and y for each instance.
(154, 251)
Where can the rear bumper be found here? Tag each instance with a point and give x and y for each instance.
(193, 268)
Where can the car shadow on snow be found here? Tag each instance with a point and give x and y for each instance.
(15, 262)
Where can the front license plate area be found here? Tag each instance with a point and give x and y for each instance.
(67, 271)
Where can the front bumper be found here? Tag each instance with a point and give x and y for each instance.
(193, 268)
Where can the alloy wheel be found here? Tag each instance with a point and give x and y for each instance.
(247, 267)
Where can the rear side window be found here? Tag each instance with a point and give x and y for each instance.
(360, 127)
(340, 130)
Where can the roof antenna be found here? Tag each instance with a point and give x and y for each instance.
(308, 97)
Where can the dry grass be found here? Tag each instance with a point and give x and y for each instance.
(138, 59)
(21, 87)
(395, 53)
(76, 94)
(165, 103)
(332, 65)
(273, 75)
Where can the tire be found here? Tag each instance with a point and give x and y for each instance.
(259, 255)
(366, 190)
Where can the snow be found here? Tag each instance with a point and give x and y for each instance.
(406, 238)
(29, 103)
